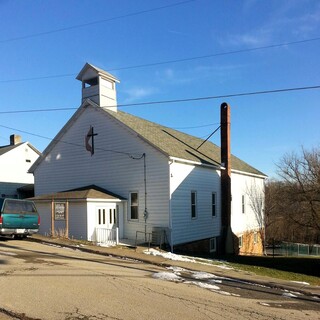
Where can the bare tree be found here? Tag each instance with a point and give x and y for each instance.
(256, 195)
(300, 191)
(278, 225)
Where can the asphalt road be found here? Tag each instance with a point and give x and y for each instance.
(39, 281)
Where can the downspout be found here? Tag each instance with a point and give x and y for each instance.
(145, 214)
(170, 212)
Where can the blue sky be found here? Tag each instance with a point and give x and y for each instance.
(50, 41)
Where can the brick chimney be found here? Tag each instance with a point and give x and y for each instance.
(15, 139)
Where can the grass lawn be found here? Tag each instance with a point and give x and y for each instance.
(286, 268)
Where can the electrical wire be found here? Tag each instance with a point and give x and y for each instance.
(34, 35)
(171, 61)
(232, 95)
(196, 127)
(130, 155)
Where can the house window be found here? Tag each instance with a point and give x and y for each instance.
(213, 244)
(255, 237)
(243, 204)
(193, 204)
(134, 206)
(240, 241)
(213, 204)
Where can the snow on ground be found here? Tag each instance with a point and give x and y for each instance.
(289, 295)
(178, 257)
(169, 276)
(301, 282)
(204, 285)
(203, 280)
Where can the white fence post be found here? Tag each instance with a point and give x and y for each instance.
(117, 236)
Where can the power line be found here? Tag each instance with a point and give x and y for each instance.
(233, 95)
(216, 54)
(37, 110)
(151, 64)
(196, 127)
(221, 96)
(95, 22)
(130, 155)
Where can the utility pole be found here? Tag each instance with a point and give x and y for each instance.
(226, 246)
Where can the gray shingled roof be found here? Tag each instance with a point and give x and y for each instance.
(88, 192)
(178, 144)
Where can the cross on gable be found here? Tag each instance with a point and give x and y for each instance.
(90, 135)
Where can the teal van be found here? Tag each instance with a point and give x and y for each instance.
(18, 218)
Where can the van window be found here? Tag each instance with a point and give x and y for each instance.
(16, 206)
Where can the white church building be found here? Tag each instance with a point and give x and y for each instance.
(107, 169)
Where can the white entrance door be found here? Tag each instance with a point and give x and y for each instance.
(107, 216)
(106, 225)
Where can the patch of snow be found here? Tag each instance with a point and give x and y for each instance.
(215, 281)
(178, 257)
(264, 304)
(223, 266)
(177, 270)
(168, 255)
(203, 275)
(301, 282)
(204, 285)
(289, 295)
(52, 245)
(169, 276)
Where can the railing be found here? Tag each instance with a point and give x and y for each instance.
(107, 237)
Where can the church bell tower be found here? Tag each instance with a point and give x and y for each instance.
(98, 86)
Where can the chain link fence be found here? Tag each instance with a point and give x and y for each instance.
(289, 249)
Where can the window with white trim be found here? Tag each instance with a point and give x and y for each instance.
(134, 206)
(193, 204)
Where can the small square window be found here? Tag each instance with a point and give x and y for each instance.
(213, 244)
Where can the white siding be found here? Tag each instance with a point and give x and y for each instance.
(69, 165)
(204, 181)
(243, 185)
(15, 164)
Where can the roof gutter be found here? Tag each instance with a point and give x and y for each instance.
(195, 163)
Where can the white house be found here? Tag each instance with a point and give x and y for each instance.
(138, 175)
(15, 161)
